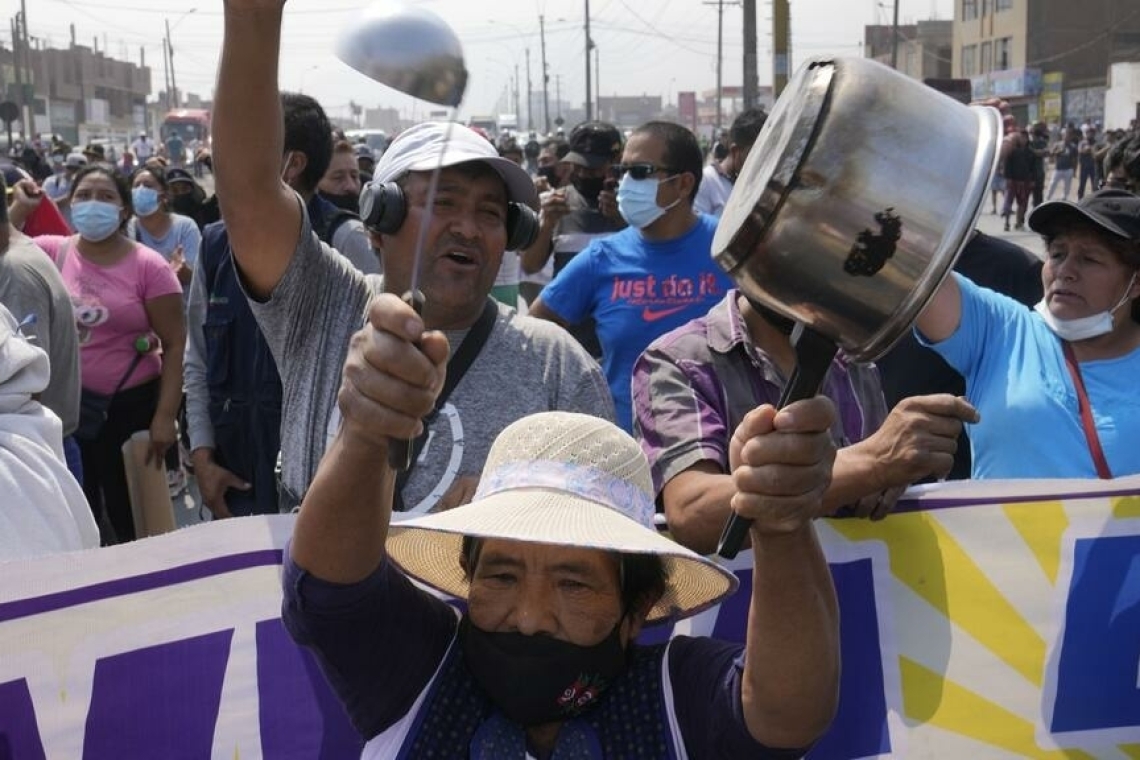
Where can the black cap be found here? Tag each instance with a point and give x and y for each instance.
(179, 175)
(594, 144)
(94, 149)
(1115, 211)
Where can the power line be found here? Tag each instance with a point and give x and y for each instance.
(676, 42)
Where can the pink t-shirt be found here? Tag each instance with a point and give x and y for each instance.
(110, 312)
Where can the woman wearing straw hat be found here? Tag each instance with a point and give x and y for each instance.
(561, 568)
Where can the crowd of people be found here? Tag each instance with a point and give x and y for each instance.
(1037, 156)
(572, 364)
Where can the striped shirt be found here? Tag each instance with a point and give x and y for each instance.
(693, 386)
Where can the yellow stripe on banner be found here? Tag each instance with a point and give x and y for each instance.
(1132, 750)
(1041, 525)
(954, 708)
(1126, 506)
(927, 559)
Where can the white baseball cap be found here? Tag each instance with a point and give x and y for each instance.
(418, 149)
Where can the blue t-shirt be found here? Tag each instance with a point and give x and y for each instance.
(183, 232)
(637, 290)
(1015, 374)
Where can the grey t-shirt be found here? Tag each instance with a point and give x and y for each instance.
(30, 284)
(351, 240)
(526, 366)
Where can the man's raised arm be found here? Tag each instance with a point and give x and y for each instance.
(262, 215)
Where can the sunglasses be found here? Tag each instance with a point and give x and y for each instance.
(637, 171)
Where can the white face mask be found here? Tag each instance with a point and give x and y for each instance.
(1083, 328)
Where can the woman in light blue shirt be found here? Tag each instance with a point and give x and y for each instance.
(1056, 386)
(175, 236)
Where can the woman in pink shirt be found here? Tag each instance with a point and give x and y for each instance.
(124, 295)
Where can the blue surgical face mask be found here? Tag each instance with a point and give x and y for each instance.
(145, 200)
(95, 221)
(637, 200)
(1082, 328)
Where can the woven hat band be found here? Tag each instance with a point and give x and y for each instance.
(582, 481)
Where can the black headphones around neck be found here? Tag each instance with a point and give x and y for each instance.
(383, 209)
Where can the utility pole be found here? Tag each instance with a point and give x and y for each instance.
(529, 95)
(781, 45)
(20, 99)
(518, 113)
(895, 38)
(589, 44)
(166, 71)
(29, 71)
(751, 75)
(558, 94)
(170, 53)
(719, 62)
(597, 82)
(545, 76)
(720, 59)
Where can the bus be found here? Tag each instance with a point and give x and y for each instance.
(190, 123)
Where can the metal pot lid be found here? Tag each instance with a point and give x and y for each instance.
(773, 163)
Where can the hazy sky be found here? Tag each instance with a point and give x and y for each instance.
(646, 46)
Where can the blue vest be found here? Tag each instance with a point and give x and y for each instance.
(244, 385)
(630, 720)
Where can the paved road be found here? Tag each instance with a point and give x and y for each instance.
(992, 224)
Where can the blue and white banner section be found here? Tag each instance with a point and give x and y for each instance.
(981, 620)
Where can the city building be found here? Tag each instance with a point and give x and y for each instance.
(78, 93)
(1049, 59)
(925, 49)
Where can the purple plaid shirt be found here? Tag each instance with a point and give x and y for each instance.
(693, 386)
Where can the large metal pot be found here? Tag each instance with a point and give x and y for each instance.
(855, 201)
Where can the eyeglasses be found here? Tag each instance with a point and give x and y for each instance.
(637, 171)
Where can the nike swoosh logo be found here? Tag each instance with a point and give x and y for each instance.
(652, 316)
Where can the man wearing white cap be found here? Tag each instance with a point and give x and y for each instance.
(309, 302)
(561, 567)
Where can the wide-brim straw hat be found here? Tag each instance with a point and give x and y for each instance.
(561, 479)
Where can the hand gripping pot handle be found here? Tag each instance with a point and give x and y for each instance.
(814, 354)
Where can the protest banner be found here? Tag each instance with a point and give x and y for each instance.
(986, 619)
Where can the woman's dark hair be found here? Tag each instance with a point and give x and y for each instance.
(122, 186)
(682, 151)
(643, 576)
(158, 172)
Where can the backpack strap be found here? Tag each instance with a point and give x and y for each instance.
(457, 367)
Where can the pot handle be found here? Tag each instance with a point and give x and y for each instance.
(400, 452)
(814, 354)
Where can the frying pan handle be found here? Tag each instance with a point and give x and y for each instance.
(814, 354)
(401, 452)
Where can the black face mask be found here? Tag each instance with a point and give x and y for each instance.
(550, 174)
(184, 204)
(537, 679)
(348, 202)
(589, 188)
(777, 320)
